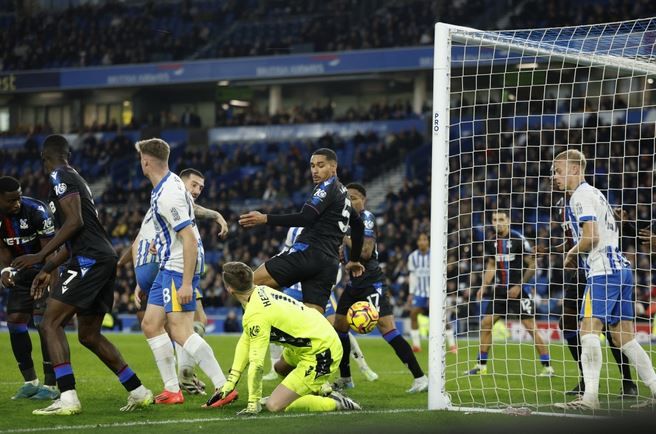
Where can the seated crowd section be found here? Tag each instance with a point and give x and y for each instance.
(112, 33)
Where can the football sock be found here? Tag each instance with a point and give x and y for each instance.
(414, 335)
(204, 356)
(313, 403)
(65, 377)
(275, 352)
(545, 359)
(639, 358)
(450, 338)
(591, 360)
(186, 363)
(165, 360)
(356, 352)
(623, 363)
(21, 345)
(482, 358)
(574, 344)
(128, 378)
(344, 364)
(404, 352)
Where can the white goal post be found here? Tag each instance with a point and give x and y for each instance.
(574, 82)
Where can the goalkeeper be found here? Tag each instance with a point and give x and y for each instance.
(312, 350)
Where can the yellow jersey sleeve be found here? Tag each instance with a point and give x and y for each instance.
(257, 330)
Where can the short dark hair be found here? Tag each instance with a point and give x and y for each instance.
(56, 144)
(186, 173)
(503, 211)
(359, 187)
(238, 276)
(328, 153)
(9, 184)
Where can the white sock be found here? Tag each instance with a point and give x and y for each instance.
(275, 351)
(70, 397)
(414, 334)
(591, 360)
(450, 338)
(639, 358)
(204, 356)
(139, 391)
(186, 363)
(356, 353)
(165, 360)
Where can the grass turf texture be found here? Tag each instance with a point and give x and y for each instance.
(385, 402)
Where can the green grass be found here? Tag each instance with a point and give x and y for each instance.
(385, 402)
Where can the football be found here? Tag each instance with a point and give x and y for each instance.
(362, 317)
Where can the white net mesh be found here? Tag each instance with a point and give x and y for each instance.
(517, 99)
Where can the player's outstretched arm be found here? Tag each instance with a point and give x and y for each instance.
(71, 209)
(210, 214)
(302, 219)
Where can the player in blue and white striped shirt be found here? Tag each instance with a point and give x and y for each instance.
(608, 298)
(419, 286)
(171, 299)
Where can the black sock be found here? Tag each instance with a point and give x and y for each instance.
(128, 378)
(48, 371)
(622, 362)
(65, 377)
(345, 363)
(574, 344)
(404, 352)
(21, 345)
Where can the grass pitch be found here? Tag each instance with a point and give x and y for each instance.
(387, 408)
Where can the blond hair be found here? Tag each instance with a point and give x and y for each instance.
(157, 148)
(573, 156)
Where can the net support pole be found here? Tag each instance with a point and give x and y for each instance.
(437, 396)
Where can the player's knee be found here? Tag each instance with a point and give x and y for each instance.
(89, 340)
(282, 368)
(275, 406)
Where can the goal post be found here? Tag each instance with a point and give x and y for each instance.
(504, 104)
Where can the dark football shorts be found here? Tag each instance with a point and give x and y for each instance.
(87, 284)
(502, 305)
(377, 295)
(574, 290)
(19, 299)
(314, 269)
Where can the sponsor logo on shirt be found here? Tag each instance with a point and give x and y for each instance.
(60, 188)
(254, 331)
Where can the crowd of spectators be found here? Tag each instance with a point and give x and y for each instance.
(113, 32)
(319, 112)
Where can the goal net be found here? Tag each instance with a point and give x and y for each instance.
(505, 103)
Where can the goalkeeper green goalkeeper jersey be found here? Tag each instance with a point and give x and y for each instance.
(271, 315)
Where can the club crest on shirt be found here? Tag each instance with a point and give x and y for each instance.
(175, 214)
(23, 224)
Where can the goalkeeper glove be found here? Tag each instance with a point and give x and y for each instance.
(251, 409)
(231, 383)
